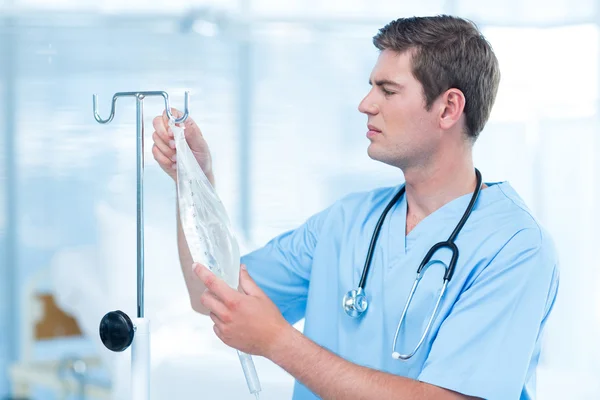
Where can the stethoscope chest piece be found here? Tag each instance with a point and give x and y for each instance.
(355, 303)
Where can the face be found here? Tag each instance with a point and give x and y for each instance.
(401, 131)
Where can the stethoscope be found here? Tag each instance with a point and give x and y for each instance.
(355, 301)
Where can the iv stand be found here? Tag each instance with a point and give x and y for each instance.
(117, 330)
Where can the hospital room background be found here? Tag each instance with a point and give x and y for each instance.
(274, 85)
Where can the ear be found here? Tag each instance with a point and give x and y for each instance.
(453, 106)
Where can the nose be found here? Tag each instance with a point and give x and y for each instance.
(368, 106)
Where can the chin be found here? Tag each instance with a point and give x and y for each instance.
(383, 156)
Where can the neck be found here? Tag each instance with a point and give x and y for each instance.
(429, 187)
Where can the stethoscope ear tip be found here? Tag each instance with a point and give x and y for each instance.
(396, 355)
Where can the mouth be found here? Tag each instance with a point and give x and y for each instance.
(372, 131)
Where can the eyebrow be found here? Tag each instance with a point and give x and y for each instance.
(388, 82)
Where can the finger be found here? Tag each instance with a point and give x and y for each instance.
(218, 332)
(240, 286)
(247, 283)
(163, 160)
(241, 290)
(166, 138)
(168, 151)
(218, 327)
(175, 113)
(218, 287)
(193, 134)
(160, 127)
(190, 125)
(215, 306)
(215, 318)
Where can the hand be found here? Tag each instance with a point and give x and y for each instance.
(164, 145)
(247, 319)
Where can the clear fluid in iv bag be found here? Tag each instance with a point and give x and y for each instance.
(204, 219)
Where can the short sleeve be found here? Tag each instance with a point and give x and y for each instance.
(282, 267)
(485, 346)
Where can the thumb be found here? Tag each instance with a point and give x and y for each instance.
(193, 135)
(247, 284)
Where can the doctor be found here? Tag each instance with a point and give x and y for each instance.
(350, 269)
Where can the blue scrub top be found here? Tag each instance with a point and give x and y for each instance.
(485, 339)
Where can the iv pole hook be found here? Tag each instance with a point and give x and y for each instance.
(140, 96)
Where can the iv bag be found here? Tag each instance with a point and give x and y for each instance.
(203, 216)
(208, 231)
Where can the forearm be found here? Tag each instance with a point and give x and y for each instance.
(194, 285)
(331, 377)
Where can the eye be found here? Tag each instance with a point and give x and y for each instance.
(387, 92)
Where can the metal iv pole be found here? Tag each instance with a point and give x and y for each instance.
(117, 330)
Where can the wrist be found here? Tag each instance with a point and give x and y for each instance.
(282, 342)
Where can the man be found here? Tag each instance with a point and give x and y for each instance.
(433, 88)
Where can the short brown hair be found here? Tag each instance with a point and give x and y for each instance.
(448, 52)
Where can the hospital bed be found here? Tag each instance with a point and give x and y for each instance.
(54, 359)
